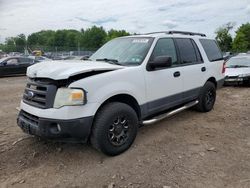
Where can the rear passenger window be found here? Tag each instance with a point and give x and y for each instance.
(165, 47)
(187, 51)
(212, 50)
(25, 60)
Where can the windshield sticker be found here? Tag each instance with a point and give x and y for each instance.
(140, 41)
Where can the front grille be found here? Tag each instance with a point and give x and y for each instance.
(39, 94)
(29, 117)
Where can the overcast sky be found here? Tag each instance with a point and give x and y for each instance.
(140, 16)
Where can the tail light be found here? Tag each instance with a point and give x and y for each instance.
(223, 67)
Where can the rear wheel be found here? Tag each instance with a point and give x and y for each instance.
(207, 97)
(115, 128)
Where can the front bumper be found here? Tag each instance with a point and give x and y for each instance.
(73, 129)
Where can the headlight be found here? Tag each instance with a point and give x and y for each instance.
(69, 97)
(244, 75)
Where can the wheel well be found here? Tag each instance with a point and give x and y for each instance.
(213, 80)
(127, 99)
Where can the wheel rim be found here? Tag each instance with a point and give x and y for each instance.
(210, 97)
(118, 131)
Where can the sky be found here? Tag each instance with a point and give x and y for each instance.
(139, 16)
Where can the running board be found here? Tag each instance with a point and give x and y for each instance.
(171, 113)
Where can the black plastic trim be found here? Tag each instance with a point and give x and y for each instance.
(76, 129)
(165, 103)
(44, 94)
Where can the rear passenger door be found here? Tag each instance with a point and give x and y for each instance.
(23, 64)
(193, 70)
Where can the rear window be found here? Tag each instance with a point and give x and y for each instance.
(25, 60)
(212, 50)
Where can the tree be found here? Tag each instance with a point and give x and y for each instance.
(44, 40)
(20, 42)
(32, 39)
(241, 42)
(93, 38)
(10, 44)
(15, 44)
(70, 39)
(223, 37)
(115, 33)
(60, 38)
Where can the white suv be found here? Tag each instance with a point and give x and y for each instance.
(128, 82)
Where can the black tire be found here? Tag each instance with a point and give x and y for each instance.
(114, 129)
(207, 97)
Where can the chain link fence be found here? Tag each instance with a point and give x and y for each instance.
(49, 51)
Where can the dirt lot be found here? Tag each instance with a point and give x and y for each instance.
(189, 150)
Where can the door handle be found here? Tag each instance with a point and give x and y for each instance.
(203, 69)
(177, 74)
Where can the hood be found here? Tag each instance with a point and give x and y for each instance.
(58, 70)
(237, 71)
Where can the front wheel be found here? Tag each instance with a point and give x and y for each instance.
(207, 97)
(114, 129)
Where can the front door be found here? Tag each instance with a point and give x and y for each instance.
(9, 67)
(164, 86)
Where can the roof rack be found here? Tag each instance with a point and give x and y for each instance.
(178, 32)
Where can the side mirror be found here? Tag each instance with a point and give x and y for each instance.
(160, 62)
(4, 63)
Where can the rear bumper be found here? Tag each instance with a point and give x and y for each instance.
(74, 129)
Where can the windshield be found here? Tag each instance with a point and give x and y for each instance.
(124, 51)
(238, 62)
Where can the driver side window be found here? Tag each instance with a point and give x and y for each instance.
(165, 47)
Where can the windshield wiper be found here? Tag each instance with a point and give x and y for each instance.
(112, 61)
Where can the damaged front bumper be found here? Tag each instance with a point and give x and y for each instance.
(74, 129)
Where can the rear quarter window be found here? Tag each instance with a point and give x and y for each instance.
(212, 50)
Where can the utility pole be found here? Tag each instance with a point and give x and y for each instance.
(78, 48)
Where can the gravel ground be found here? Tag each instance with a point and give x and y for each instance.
(190, 149)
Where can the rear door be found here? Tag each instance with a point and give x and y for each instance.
(193, 69)
(163, 86)
(23, 64)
